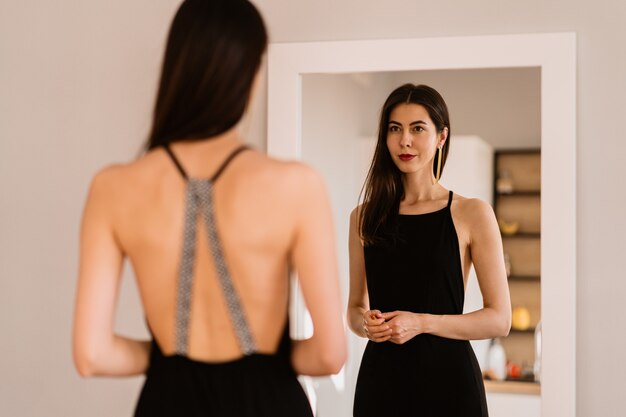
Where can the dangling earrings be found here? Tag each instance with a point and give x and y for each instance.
(438, 176)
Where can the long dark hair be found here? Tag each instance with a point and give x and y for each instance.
(383, 189)
(213, 52)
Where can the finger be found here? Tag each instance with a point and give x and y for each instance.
(372, 316)
(382, 339)
(374, 322)
(381, 333)
(389, 315)
(376, 329)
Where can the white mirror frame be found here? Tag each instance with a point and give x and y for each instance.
(555, 54)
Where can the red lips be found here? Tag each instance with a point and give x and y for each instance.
(406, 157)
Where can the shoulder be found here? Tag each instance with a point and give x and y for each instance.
(472, 212)
(107, 180)
(472, 206)
(292, 184)
(119, 182)
(294, 177)
(356, 212)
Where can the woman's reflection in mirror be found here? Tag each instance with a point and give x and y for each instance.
(412, 243)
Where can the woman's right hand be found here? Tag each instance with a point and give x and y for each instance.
(375, 327)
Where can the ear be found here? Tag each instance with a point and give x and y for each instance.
(443, 136)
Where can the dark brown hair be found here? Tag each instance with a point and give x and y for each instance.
(383, 189)
(213, 52)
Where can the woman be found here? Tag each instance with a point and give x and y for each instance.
(412, 243)
(211, 229)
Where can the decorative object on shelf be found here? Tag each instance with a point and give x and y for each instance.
(507, 264)
(508, 228)
(504, 183)
(520, 319)
(513, 370)
(537, 367)
(496, 361)
(527, 372)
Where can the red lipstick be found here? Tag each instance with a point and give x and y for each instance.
(406, 157)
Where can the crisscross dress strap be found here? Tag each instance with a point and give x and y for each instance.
(450, 198)
(199, 199)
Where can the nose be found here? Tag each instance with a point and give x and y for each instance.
(406, 140)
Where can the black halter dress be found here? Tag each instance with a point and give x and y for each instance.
(256, 384)
(428, 376)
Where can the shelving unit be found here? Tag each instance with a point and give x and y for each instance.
(518, 200)
(513, 387)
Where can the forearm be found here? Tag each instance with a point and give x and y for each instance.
(121, 357)
(486, 323)
(308, 358)
(355, 320)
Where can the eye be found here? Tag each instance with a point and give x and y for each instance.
(418, 128)
(394, 128)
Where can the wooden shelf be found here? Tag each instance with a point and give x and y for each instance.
(513, 387)
(527, 331)
(523, 235)
(525, 193)
(524, 278)
(521, 206)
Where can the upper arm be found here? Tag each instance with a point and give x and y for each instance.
(487, 255)
(314, 256)
(358, 284)
(99, 273)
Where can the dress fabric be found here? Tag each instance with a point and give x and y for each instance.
(427, 376)
(256, 384)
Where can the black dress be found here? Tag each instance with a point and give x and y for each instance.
(428, 376)
(257, 384)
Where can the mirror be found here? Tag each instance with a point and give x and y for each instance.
(303, 123)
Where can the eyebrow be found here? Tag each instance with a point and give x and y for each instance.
(417, 122)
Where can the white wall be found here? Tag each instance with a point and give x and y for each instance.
(501, 105)
(77, 82)
(76, 88)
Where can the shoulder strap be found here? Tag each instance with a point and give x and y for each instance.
(175, 160)
(219, 171)
(450, 199)
(227, 161)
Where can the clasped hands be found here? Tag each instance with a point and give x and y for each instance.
(397, 326)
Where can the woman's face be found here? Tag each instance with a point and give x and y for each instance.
(412, 138)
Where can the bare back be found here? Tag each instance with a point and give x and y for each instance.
(255, 218)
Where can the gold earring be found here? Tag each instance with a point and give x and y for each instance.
(438, 176)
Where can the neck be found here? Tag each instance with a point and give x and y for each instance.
(418, 186)
(224, 140)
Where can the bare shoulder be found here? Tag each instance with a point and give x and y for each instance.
(355, 213)
(472, 212)
(118, 183)
(106, 181)
(293, 178)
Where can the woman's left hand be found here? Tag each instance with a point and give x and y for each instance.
(404, 325)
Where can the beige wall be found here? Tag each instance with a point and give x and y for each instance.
(76, 85)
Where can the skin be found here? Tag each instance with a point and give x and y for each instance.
(271, 215)
(411, 131)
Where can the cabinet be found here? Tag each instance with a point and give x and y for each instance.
(517, 204)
